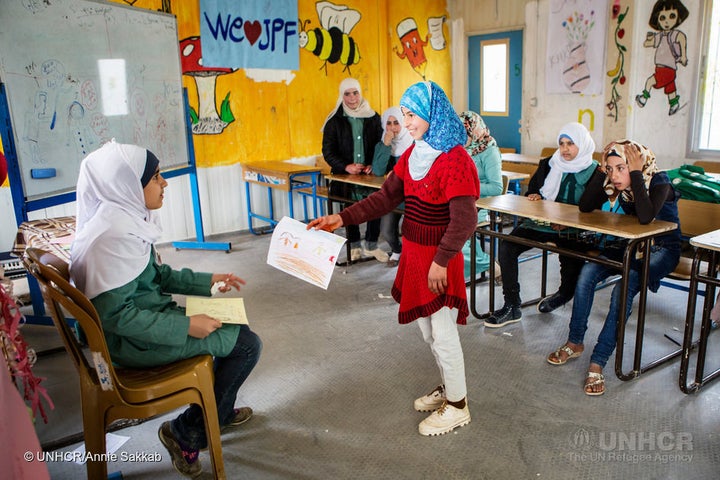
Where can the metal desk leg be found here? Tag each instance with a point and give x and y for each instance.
(705, 325)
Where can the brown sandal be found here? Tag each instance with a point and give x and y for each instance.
(554, 358)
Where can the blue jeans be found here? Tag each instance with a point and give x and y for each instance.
(390, 230)
(662, 262)
(230, 373)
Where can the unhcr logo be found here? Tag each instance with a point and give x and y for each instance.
(630, 447)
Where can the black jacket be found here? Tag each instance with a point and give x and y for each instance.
(337, 143)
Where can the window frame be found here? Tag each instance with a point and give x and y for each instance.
(490, 43)
(695, 130)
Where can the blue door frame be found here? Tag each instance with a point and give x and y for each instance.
(505, 129)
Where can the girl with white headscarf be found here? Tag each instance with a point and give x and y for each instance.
(395, 140)
(113, 262)
(635, 183)
(438, 181)
(350, 133)
(560, 178)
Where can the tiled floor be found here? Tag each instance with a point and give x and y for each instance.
(333, 390)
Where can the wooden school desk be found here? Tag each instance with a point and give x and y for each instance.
(283, 176)
(514, 180)
(618, 225)
(706, 245)
(363, 180)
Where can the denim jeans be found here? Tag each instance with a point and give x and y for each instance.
(662, 262)
(508, 253)
(390, 230)
(372, 233)
(230, 373)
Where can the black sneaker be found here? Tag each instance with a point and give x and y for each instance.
(552, 302)
(505, 316)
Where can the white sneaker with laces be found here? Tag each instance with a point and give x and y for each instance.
(431, 401)
(444, 419)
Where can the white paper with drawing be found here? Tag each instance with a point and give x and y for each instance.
(309, 255)
(225, 309)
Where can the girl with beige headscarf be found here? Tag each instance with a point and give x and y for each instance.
(634, 186)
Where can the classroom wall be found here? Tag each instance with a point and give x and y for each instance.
(278, 115)
(544, 114)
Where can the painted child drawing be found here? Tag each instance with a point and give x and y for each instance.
(670, 47)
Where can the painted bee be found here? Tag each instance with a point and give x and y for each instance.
(332, 43)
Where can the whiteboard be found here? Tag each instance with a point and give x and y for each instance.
(80, 72)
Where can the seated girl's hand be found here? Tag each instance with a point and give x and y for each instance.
(202, 325)
(227, 281)
(328, 223)
(634, 158)
(533, 197)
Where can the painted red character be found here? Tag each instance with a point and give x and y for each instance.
(412, 45)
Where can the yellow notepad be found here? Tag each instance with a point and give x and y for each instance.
(227, 310)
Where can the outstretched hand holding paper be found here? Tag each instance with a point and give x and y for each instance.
(309, 255)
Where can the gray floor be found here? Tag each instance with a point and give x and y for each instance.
(333, 390)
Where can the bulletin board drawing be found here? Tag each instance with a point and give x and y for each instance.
(331, 42)
(77, 73)
(670, 46)
(576, 46)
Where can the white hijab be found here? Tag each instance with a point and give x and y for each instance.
(115, 230)
(363, 110)
(403, 140)
(558, 165)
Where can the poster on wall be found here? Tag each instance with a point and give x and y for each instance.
(576, 46)
(258, 34)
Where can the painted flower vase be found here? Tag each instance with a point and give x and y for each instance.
(576, 73)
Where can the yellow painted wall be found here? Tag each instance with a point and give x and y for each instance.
(279, 121)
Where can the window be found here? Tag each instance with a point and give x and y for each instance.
(706, 128)
(494, 82)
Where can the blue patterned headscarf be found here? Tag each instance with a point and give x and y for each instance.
(428, 101)
(445, 131)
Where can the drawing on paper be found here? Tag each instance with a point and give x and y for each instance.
(309, 255)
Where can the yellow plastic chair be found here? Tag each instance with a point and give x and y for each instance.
(110, 393)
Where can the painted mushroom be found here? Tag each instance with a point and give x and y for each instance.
(209, 122)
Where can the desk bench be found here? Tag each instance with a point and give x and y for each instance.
(623, 226)
(285, 176)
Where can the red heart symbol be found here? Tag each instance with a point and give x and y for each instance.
(252, 31)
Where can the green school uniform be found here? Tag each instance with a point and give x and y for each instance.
(144, 327)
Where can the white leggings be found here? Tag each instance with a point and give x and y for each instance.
(440, 331)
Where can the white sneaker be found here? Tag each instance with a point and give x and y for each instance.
(444, 419)
(379, 255)
(432, 401)
(355, 254)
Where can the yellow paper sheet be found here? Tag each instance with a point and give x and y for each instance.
(227, 310)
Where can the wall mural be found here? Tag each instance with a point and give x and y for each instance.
(206, 120)
(670, 46)
(331, 42)
(412, 44)
(617, 73)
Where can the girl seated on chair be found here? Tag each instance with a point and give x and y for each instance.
(115, 264)
(635, 184)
